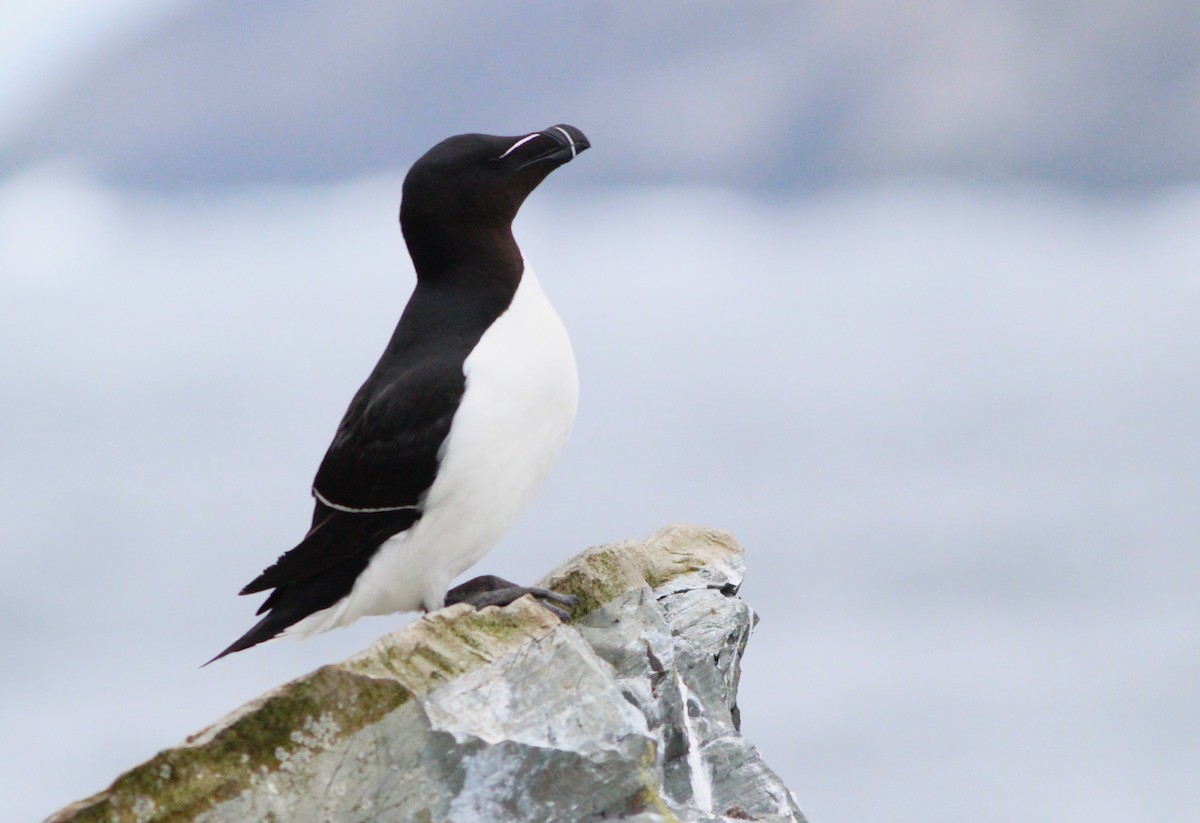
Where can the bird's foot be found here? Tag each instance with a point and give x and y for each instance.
(489, 590)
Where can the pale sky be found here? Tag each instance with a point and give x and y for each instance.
(41, 40)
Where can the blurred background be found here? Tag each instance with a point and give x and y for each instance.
(904, 295)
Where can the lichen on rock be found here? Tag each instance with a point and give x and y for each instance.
(503, 714)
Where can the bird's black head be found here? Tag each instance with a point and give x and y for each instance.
(473, 183)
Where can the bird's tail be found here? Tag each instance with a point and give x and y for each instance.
(270, 627)
(318, 572)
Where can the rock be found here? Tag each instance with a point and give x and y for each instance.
(505, 714)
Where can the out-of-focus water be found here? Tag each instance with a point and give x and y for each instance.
(957, 431)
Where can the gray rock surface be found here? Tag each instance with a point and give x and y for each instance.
(628, 713)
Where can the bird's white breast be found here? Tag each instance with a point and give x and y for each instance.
(516, 414)
(522, 390)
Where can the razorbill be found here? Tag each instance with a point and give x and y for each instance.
(472, 401)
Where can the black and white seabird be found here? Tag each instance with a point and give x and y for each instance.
(471, 403)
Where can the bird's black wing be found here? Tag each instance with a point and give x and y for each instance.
(372, 481)
(385, 452)
(369, 487)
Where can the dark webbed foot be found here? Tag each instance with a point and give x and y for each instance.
(489, 590)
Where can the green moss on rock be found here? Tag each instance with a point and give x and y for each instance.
(177, 784)
(602, 574)
(450, 643)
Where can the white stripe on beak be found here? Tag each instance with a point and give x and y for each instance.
(522, 142)
(570, 140)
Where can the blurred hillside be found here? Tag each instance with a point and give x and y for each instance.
(765, 96)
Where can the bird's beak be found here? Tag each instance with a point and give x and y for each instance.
(565, 143)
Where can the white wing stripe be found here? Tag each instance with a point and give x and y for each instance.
(350, 509)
